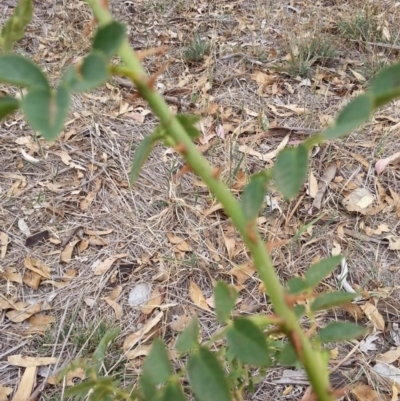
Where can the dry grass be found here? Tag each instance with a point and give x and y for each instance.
(102, 142)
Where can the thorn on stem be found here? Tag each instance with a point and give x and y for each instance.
(251, 233)
(181, 148)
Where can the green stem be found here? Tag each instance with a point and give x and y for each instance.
(312, 360)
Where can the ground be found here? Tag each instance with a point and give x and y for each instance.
(261, 74)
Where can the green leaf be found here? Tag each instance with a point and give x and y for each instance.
(109, 38)
(248, 343)
(332, 299)
(141, 153)
(173, 392)
(81, 389)
(92, 73)
(189, 338)
(106, 340)
(318, 271)
(357, 112)
(187, 122)
(225, 298)
(14, 28)
(386, 85)
(299, 311)
(290, 170)
(20, 71)
(297, 285)
(206, 377)
(46, 110)
(148, 389)
(7, 105)
(288, 356)
(341, 331)
(157, 368)
(253, 197)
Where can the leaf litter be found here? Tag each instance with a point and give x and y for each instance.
(250, 111)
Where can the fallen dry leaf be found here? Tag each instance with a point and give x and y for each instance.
(37, 266)
(5, 392)
(3, 244)
(358, 200)
(267, 157)
(66, 254)
(358, 76)
(97, 232)
(155, 300)
(243, 272)
(32, 279)
(212, 209)
(295, 108)
(213, 252)
(394, 242)
(382, 228)
(56, 284)
(389, 356)
(389, 372)
(180, 243)
(328, 176)
(87, 201)
(29, 361)
(312, 185)
(39, 324)
(82, 246)
(22, 311)
(230, 241)
(381, 164)
(336, 249)
(70, 378)
(372, 313)
(179, 324)
(197, 296)
(104, 266)
(142, 350)
(11, 274)
(26, 384)
(111, 300)
(117, 308)
(134, 338)
(363, 392)
(97, 241)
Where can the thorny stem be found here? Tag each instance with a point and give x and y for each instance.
(312, 359)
